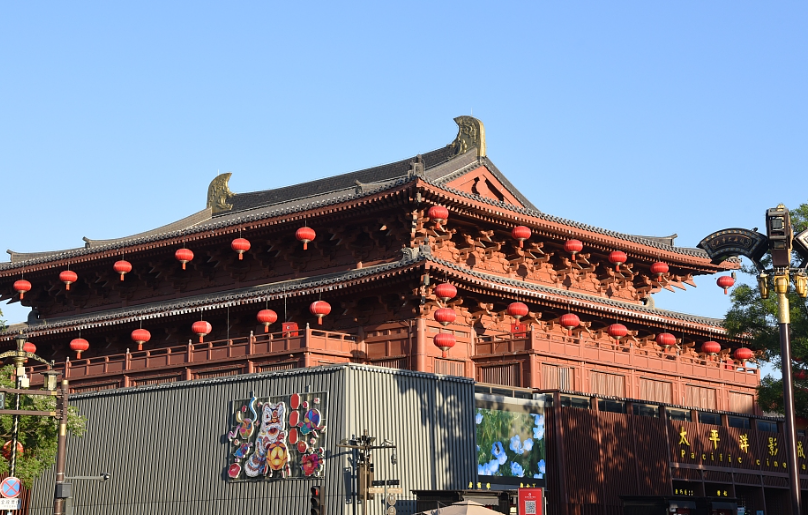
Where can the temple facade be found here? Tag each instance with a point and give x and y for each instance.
(435, 264)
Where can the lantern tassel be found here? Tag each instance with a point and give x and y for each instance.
(305, 245)
(240, 256)
(520, 244)
(122, 277)
(183, 266)
(67, 287)
(573, 256)
(201, 339)
(22, 295)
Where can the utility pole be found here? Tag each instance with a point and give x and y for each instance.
(363, 447)
(779, 242)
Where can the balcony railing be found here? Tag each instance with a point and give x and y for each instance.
(629, 354)
(194, 356)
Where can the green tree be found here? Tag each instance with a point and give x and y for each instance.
(756, 319)
(38, 435)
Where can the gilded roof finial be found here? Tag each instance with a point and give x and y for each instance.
(470, 134)
(219, 193)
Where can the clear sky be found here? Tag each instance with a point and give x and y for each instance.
(647, 118)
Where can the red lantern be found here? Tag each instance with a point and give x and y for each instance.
(617, 331)
(573, 247)
(711, 347)
(659, 269)
(320, 308)
(305, 234)
(267, 317)
(184, 256)
(617, 258)
(21, 287)
(570, 321)
(6, 450)
(518, 310)
(801, 375)
(445, 316)
(445, 291)
(726, 282)
(68, 277)
(439, 214)
(241, 246)
(666, 339)
(743, 354)
(140, 336)
(444, 341)
(521, 233)
(123, 267)
(29, 347)
(201, 329)
(79, 345)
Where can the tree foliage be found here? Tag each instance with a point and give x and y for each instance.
(755, 318)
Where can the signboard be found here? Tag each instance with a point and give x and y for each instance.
(9, 504)
(10, 487)
(531, 501)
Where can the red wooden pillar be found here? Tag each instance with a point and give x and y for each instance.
(420, 345)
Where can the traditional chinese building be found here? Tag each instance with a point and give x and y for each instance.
(433, 264)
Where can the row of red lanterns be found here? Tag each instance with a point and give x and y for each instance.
(444, 315)
(183, 255)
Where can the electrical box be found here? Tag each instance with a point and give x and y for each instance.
(64, 490)
(289, 328)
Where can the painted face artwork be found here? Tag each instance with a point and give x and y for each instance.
(282, 443)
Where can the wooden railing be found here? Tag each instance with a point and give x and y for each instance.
(627, 354)
(197, 355)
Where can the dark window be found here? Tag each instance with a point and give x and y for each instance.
(710, 418)
(646, 410)
(765, 425)
(739, 422)
(574, 402)
(678, 415)
(611, 406)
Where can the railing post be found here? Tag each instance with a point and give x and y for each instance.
(127, 360)
(190, 352)
(251, 345)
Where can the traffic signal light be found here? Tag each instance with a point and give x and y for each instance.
(316, 501)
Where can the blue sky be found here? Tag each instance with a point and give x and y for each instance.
(642, 117)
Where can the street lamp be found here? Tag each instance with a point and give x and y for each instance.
(779, 242)
(364, 444)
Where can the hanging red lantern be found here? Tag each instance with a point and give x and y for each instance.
(726, 282)
(140, 336)
(445, 291)
(569, 322)
(518, 310)
(201, 329)
(617, 258)
(573, 247)
(521, 233)
(320, 308)
(445, 316)
(123, 267)
(439, 215)
(743, 354)
(184, 256)
(266, 317)
(659, 269)
(21, 287)
(79, 345)
(29, 347)
(666, 339)
(241, 246)
(444, 341)
(6, 450)
(617, 331)
(306, 235)
(711, 347)
(68, 277)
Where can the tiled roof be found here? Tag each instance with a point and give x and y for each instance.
(412, 258)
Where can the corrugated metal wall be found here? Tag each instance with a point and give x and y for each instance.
(166, 445)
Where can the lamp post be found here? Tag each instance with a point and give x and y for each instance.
(364, 444)
(21, 382)
(779, 242)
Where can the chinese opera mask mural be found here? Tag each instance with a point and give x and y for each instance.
(277, 437)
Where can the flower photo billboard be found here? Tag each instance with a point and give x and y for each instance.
(510, 440)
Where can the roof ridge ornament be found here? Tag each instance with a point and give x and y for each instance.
(219, 193)
(470, 134)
